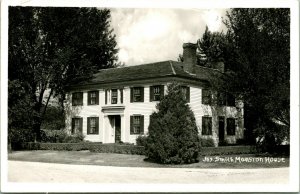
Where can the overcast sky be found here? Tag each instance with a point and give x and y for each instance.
(151, 35)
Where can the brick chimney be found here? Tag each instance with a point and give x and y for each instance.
(189, 57)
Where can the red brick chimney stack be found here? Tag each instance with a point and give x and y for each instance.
(189, 57)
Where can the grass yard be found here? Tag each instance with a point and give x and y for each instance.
(124, 160)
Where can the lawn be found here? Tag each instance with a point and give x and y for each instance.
(124, 160)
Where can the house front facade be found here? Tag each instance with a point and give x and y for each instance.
(116, 104)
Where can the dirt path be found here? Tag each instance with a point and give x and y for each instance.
(19, 171)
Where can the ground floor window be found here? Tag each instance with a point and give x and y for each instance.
(76, 125)
(230, 126)
(93, 125)
(206, 125)
(137, 124)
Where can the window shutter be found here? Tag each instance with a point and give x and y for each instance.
(80, 122)
(142, 94)
(121, 95)
(188, 94)
(209, 125)
(73, 125)
(88, 125)
(131, 94)
(97, 97)
(73, 99)
(162, 91)
(142, 124)
(81, 98)
(131, 124)
(105, 96)
(151, 93)
(97, 125)
(89, 98)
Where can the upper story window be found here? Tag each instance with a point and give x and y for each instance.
(206, 125)
(230, 100)
(206, 96)
(137, 94)
(76, 125)
(114, 96)
(156, 92)
(137, 124)
(93, 98)
(186, 93)
(221, 98)
(77, 99)
(230, 126)
(226, 99)
(93, 125)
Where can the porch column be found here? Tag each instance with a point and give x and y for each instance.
(105, 124)
(123, 130)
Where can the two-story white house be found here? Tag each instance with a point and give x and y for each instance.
(117, 103)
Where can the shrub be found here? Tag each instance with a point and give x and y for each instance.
(207, 142)
(173, 134)
(60, 136)
(18, 136)
(141, 140)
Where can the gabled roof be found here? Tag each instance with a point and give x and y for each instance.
(148, 71)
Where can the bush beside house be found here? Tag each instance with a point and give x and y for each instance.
(173, 134)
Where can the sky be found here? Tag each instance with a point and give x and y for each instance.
(147, 35)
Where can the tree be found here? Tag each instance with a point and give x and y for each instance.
(258, 59)
(173, 134)
(50, 48)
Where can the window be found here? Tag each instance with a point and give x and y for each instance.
(137, 94)
(206, 125)
(206, 96)
(156, 92)
(230, 100)
(114, 96)
(230, 126)
(93, 97)
(77, 99)
(93, 125)
(137, 124)
(76, 125)
(186, 93)
(221, 99)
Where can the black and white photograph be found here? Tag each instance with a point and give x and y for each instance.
(107, 97)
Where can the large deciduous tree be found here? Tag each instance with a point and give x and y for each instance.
(49, 48)
(257, 51)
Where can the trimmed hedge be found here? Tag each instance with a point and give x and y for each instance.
(93, 147)
(130, 149)
(120, 149)
(58, 146)
(226, 150)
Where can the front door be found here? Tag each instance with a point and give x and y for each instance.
(117, 128)
(221, 129)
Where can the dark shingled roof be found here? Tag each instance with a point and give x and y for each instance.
(151, 70)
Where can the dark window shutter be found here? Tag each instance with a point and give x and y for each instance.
(89, 98)
(97, 97)
(88, 125)
(105, 96)
(188, 94)
(142, 124)
(80, 121)
(162, 91)
(210, 125)
(131, 94)
(131, 124)
(121, 95)
(73, 104)
(81, 98)
(151, 93)
(97, 125)
(73, 125)
(142, 94)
